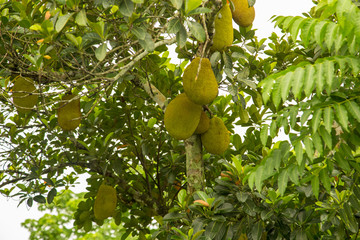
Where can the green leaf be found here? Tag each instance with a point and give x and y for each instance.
(181, 37)
(315, 121)
(148, 43)
(264, 133)
(39, 199)
(36, 27)
(152, 122)
(348, 218)
(202, 195)
(51, 195)
(256, 231)
(191, 5)
(126, 8)
(197, 30)
(318, 143)
(298, 82)
(80, 18)
(199, 10)
(326, 137)
(315, 186)
(343, 163)
(107, 138)
(276, 95)
(72, 38)
(98, 27)
(319, 32)
(266, 85)
(139, 32)
(304, 117)
(295, 26)
(100, 52)
(285, 84)
(177, 3)
(309, 82)
(294, 174)
(354, 109)
(283, 181)
(61, 22)
(325, 179)
(319, 77)
(259, 178)
(299, 153)
(328, 118)
(342, 116)
(174, 25)
(329, 75)
(182, 197)
(30, 202)
(309, 147)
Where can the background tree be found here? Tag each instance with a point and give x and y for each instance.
(58, 223)
(114, 55)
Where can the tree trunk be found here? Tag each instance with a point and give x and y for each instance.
(194, 164)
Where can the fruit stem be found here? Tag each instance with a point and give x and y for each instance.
(194, 164)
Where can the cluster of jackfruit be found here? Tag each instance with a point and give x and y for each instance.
(184, 115)
(240, 12)
(25, 96)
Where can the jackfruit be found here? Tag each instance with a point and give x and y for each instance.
(204, 123)
(24, 94)
(224, 33)
(200, 84)
(181, 117)
(105, 202)
(69, 113)
(217, 139)
(242, 14)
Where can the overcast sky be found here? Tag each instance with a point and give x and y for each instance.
(12, 216)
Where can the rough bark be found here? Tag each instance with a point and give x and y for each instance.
(194, 164)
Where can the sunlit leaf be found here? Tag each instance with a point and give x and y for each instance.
(61, 22)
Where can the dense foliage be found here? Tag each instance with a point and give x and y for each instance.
(115, 55)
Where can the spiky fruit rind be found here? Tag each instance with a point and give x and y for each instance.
(181, 117)
(224, 35)
(69, 112)
(24, 94)
(217, 139)
(204, 123)
(105, 202)
(243, 15)
(200, 85)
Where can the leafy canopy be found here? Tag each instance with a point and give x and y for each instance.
(115, 55)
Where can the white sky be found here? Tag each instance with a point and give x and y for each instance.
(12, 216)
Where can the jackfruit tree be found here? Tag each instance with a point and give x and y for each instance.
(183, 125)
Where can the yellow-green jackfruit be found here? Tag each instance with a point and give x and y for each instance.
(224, 35)
(181, 117)
(200, 84)
(69, 113)
(24, 94)
(217, 139)
(242, 14)
(105, 202)
(204, 123)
